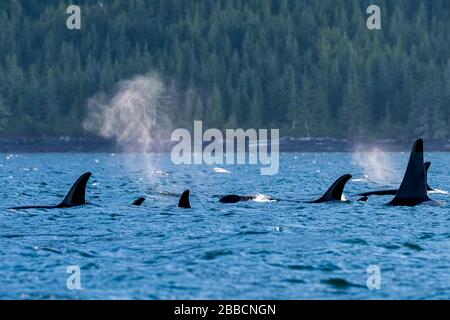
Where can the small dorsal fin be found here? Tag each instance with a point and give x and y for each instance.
(427, 166)
(77, 194)
(413, 189)
(138, 201)
(334, 193)
(184, 200)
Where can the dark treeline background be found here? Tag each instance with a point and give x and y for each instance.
(310, 68)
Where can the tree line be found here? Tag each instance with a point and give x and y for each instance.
(310, 68)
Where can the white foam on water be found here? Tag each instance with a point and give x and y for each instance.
(438, 191)
(262, 198)
(221, 170)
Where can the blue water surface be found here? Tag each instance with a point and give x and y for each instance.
(251, 250)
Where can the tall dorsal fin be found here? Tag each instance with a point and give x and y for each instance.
(77, 194)
(334, 193)
(413, 189)
(184, 200)
(427, 166)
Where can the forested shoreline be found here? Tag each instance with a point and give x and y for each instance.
(310, 68)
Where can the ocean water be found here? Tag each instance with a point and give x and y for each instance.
(251, 250)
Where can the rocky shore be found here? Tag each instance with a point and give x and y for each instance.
(287, 144)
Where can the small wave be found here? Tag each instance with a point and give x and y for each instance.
(390, 246)
(412, 246)
(211, 255)
(251, 232)
(426, 235)
(300, 267)
(260, 252)
(51, 250)
(12, 236)
(355, 241)
(295, 281)
(328, 266)
(91, 266)
(86, 254)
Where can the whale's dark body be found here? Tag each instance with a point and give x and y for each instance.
(234, 198)
(393, 192)
(75, 197)
(334, 193)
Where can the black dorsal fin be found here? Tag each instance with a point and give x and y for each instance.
(184, 200)
(138, 201)
(413, 189)
(334, 193)
(427, 166)
(77, 194)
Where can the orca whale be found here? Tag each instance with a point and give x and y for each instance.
(413, 190)
(334, 193)
(75, 197)
(393, 192)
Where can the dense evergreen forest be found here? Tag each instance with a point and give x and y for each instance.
(310, 68)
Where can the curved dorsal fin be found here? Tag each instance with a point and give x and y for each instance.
(184, 200)
(427, 166)
(413, 189)
(334, 193)
(77, 194)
